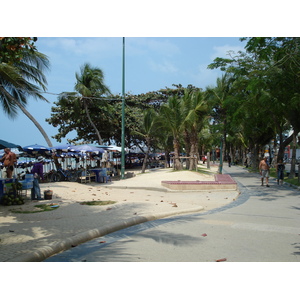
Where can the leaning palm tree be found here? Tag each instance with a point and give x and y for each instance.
(90, 84)
(22, 79)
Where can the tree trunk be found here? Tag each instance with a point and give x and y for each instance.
(187, 148)
(177, 163)
(146, 156)
(167, 159)
(255, 159)
(293, 162)
(35, 122)
(145, 162)
(92, 123)
(283, 144)
(193, 158)
(193, 150)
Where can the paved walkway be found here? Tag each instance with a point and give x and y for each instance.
(33, 237)
(257, 210)
(263, 225)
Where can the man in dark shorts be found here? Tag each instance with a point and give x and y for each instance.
(9, 159)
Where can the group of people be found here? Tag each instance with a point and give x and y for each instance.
(264, 168)
(9, 159)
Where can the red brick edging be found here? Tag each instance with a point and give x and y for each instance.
(222, 181)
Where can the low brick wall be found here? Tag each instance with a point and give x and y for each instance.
(222, 182)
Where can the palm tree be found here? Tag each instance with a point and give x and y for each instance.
(194, 109)
(171, 120)
(21, 79)
(147, 132)
(219, 97)
(90, 84)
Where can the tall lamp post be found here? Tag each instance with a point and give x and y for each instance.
(123, 115)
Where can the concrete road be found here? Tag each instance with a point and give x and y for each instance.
(262, 225)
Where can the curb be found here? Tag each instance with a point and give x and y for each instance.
(47, 251)
(136, 188)
(292, 185)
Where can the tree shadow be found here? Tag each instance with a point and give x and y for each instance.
(111, 248)
(171, 238)
(296, 246)
(295, 207)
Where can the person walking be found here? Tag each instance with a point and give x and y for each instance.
(38, 174)
(280, 172)
(229, 161)
(9, 159)
(264, 171)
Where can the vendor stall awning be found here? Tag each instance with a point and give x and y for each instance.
(5, 144)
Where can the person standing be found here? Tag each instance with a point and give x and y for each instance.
(9, 159)
(38, 174)
(264, 171)
(280, 171)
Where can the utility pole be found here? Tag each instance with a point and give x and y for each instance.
(123, 114)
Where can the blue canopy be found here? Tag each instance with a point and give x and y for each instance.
(36, 149)
(5, 144)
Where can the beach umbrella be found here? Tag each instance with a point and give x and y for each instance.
(86, 148)
(62, 147)
(99, 146)
(36, 149)
(5, 144)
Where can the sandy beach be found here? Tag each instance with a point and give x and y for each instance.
(140, 195)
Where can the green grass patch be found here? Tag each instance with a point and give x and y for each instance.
(38, 208)
(204, 170)
(98, 202)
(293, 181)
(273, 172)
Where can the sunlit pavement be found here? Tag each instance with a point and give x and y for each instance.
(262, 225)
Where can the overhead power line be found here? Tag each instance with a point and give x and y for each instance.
(79, 96)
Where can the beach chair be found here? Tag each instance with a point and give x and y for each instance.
(86, 177)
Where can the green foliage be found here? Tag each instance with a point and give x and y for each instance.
(69, 115)
(263, 102)
(12, 49)
(21, 78)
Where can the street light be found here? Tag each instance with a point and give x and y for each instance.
(123, 115)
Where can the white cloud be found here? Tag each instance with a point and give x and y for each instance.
(111, 46)
(85, 46)
(222, 51)
(201, 76)
(144, 46)
(163, 67)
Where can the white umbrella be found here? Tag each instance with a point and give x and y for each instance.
(86, 148)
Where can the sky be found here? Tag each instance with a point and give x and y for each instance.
(151, 63)
(165, 43)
